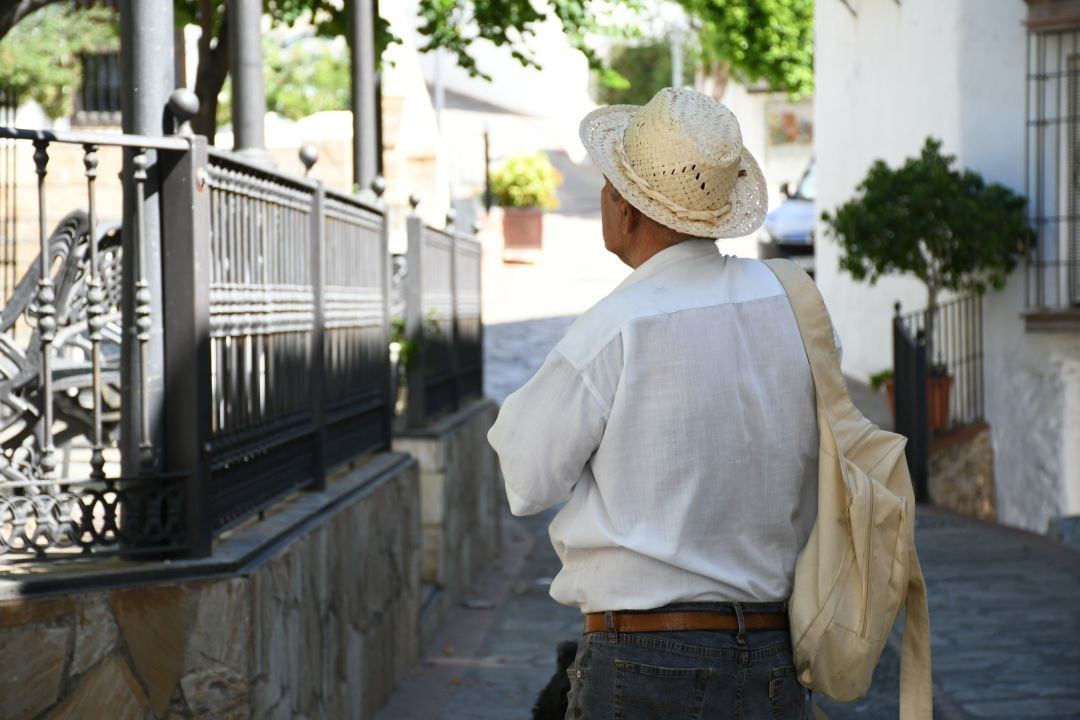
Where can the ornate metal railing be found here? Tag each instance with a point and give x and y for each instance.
(956, 346)
(443, 353)
(274, 326)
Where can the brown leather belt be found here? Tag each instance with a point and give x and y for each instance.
(631, 622)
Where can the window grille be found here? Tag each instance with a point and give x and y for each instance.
(99, 97)
(1053, 168)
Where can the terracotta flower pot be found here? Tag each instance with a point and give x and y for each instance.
(938, 389)
(523, 234)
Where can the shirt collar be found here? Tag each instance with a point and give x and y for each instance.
(685, 250)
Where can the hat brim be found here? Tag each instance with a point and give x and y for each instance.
(601, 132)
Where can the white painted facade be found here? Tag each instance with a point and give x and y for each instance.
(887, 77)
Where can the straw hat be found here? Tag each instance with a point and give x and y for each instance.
(680, 160)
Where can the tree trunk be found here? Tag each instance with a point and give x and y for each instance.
(718, 76)
(213, 69)
(930, 323)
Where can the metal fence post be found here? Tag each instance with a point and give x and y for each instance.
(909, 397)
(378, 186)
(480, 300)
(414, 317)
(318, 336)
(186, 291)
(455, 349)
(147, 35)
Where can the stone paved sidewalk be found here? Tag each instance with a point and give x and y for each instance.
(1003, 603)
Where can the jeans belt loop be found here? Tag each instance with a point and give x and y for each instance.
(609, 622)
(741, 637)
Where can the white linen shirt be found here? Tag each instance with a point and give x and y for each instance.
(677, 420)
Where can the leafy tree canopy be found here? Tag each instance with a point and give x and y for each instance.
(947, 227)
(767, 41)
(770, 41)
(647, 69)
(39, 58)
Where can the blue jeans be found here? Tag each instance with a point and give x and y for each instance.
(689, 675)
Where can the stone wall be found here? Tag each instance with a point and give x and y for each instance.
(323, 627)
(460, 496)
(962, 472)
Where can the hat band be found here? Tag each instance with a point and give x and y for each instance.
(679, 211)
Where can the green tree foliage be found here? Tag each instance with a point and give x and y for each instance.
(306, 77)
(526, 181)
(947, 227)
(40, 58)
(770, 41)
(647, 69)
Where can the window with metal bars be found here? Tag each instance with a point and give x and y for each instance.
(99, 97)
(1053, 169)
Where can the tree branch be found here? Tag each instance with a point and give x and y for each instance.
(12, 11)
(213, 68)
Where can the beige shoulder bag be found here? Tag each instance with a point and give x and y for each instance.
(859, 566)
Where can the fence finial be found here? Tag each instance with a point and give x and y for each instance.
(451, 216)
(896, 307)
(309, 155)
(378, 185)
(183, 105)
(414, 200)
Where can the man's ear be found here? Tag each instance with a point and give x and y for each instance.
(629, 217)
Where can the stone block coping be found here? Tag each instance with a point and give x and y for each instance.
(447, 423)
(236, 552)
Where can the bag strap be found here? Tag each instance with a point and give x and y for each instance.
(916, 684)
(820, 344)
(916, 681)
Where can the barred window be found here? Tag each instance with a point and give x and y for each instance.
(99, 97)
(1053, 168)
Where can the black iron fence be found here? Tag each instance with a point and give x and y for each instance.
(910, 411)
(955, 376)
(443, 348)
(275, 328)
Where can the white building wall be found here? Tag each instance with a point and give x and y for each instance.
(954, 69)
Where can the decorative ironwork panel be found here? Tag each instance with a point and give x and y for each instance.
(469, 328)
(61, 333)
(262, 313)
(956, 352)
(356, 346)
(437, 309)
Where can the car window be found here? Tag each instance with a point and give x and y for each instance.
(807, 189)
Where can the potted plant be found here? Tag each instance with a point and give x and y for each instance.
(947, 227)
(525, 187)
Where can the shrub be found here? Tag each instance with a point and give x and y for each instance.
(526, 181)
(947, 227)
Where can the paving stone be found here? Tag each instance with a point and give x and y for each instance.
(221, 630)
(153, 622)
(1041, 707)
(110, 690)
(218, 692)
(95, 632)
(31, 669)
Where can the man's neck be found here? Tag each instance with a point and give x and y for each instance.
(648, 246)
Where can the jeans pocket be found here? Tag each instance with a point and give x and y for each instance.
(647, 692)
(786, 695)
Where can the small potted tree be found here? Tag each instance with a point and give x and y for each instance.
(947, 227)
(525, 186)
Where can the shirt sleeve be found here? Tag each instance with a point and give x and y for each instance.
(545, 434)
